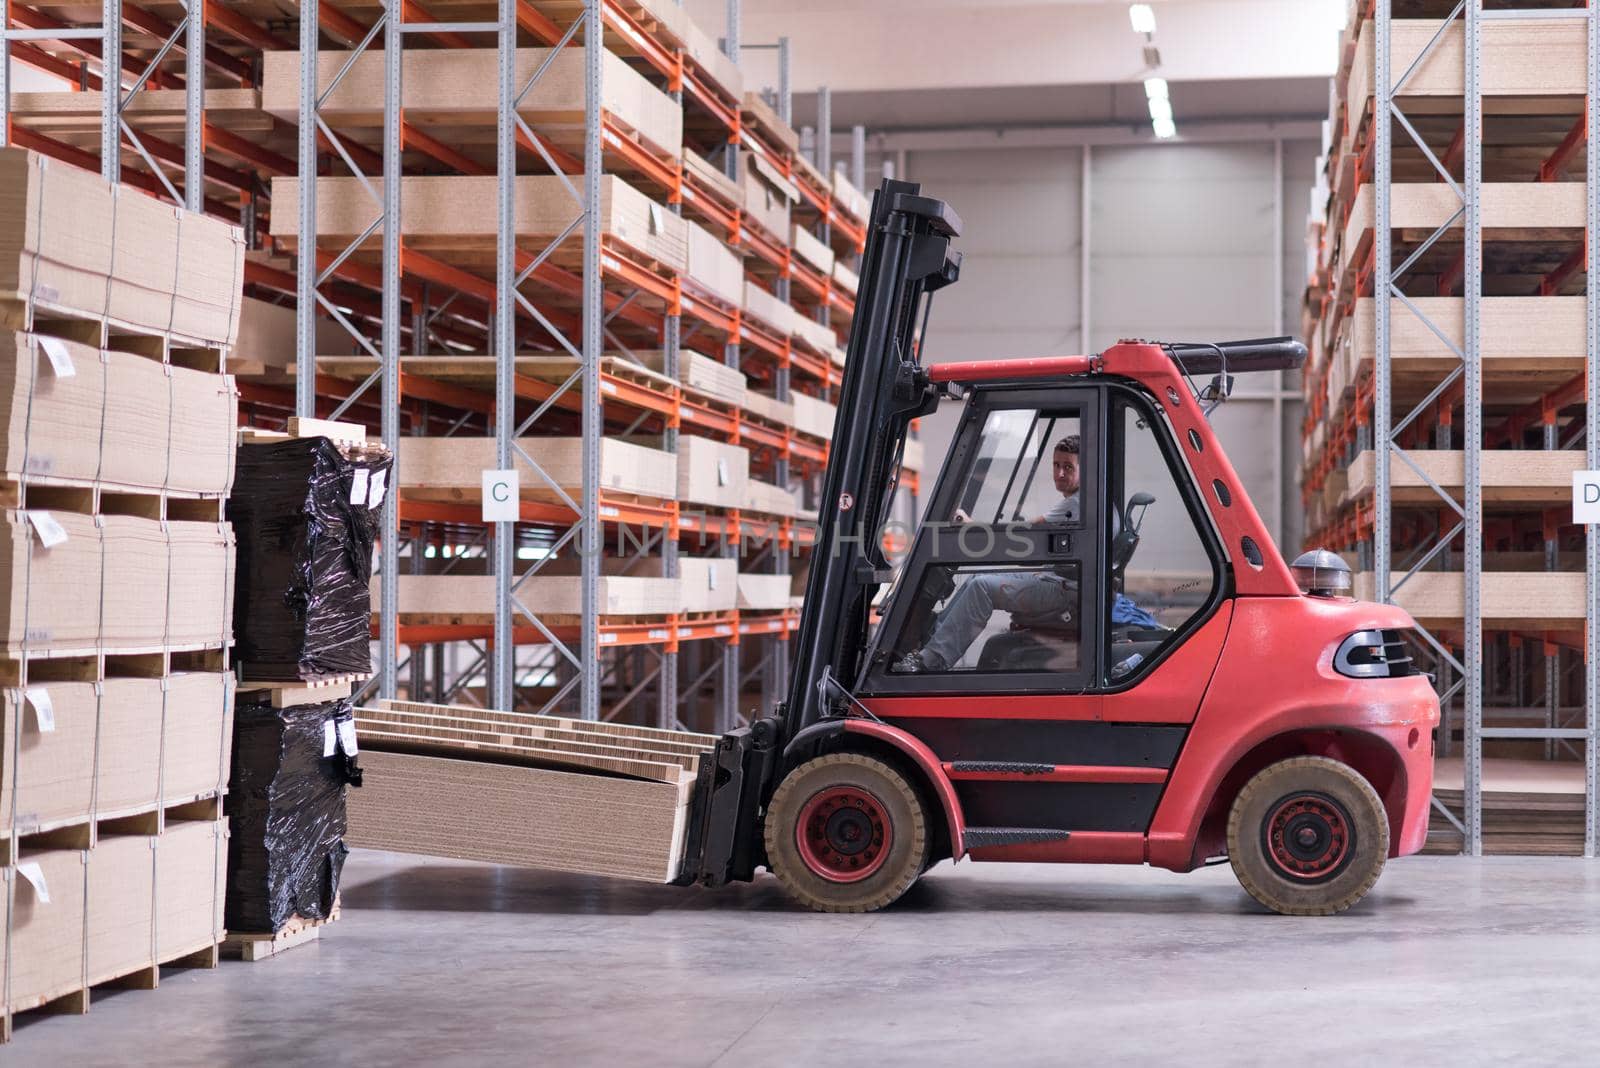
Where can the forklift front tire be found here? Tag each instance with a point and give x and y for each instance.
(846, 833)
(1308, 836)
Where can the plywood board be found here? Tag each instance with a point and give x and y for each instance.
(708, 584)
(51, 594)
(120, 907)
(191, 873)
(1511, 211)
(197, 735)
(1524, 476)
(811, 249)
(822, 338)
(711, 472)
(73, 244)
(459, 87)
(47, 766)
(457, 214)
(767, 196)
(767, 499)
(769, 408)
(593, 824)
(46, 947)
(648, 735)
(711, 377)
(849, 199)
(129, 776)
(52, 422)
(712, 267)
(452, 468)
(771, 129)
(707, 173)
(768, 309)
(167, 428)
(1531, 600)
(707, 54)
(763, 592)
(813, 416)
(846, 279)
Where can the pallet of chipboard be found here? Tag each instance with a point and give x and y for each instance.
(1520, 476)
(705, 53)
(813, 416)
(267, 342)
(763, 593)
(702, 373)
(845, 278)
(769, 408)
(848, 199)
(704, 172)
(113, 419)
(102, 583)
(1518, 336)
(811, 249)
(477, 372)
(711, 472)
(712, 267)
(451, 469)
(814, 334)
(114, 748)
(1518, 600)
(469, 599)
(707, 583)
(457, 88)
(764, 498)
(774, 314)
(456, 215)
(1530, 807)
(768, 195)
(74, 246)
(253, 946)
(763, 121)
(912, 458)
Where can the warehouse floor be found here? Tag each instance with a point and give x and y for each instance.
(444, 962)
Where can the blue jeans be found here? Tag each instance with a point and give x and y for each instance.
(1030, 596)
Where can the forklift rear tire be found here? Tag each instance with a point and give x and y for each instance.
(846, 833)
(1308, 836)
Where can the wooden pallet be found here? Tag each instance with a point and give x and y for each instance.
(249, 946)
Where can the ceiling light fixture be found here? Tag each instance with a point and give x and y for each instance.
(1164, 128)
(1143, 18)
(1156, 89)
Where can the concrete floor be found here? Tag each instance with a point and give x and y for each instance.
(1449, 961)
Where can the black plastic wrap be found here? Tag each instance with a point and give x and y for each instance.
(286, 813)
(301, 606)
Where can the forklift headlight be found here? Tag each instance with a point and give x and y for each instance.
(1374, 654)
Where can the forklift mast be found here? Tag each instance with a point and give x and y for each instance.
(907, 258)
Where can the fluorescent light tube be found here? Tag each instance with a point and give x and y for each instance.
(1143, 18)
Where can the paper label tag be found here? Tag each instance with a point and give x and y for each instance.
(44, 710)
(60, 358)
(347, 737)
(722, 471)
(711, 578)
(502, 492)
(31, 871)
(1586, 496)
(330, 737)
(358, 485)
(655, 217)
(375, 494)
(50, 532)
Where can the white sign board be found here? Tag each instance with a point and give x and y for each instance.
(1586, 496)
(501, 495)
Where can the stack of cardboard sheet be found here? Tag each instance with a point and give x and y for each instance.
(454, 781)
(116, 572)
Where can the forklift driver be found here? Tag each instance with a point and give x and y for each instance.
(1028, 596)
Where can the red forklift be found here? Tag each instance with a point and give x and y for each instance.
(1092, 653)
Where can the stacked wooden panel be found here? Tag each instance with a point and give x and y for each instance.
(116, 575)
(1531, 330)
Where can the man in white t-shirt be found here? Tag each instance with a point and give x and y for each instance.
(1040, 598)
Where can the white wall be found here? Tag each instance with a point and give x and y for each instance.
(1187, 242)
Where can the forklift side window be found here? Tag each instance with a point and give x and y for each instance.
(1160, 572)
(1024, 460)
(987, 619)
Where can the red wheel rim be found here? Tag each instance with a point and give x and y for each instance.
(843, 834)
(1308, 837)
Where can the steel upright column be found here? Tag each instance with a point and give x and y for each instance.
(502, 661)
(194, 103)
(1591, 664)
(111, 90)
(305, 345)
(858, 157)
(1472, 436)
(1383, 263)
(389, 558)
(785, 95)
(589, 537)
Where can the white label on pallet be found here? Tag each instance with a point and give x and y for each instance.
(655, 217)
(375, 497)
(60, 358)
(722, 471)
(347, 737)
(50, 532)
(31, 871)
(502, 491)
(44, 709)
(1586, 496)
(358, 485)
(330, 738)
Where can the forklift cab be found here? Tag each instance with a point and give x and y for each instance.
(1063, 549)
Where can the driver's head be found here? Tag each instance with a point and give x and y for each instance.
(1064, 465)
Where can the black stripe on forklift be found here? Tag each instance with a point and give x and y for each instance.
(1003, 766)
(1063, 806)
(1052, 742)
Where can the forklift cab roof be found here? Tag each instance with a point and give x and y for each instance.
(1227, 357)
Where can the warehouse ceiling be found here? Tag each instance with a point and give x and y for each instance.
(897, 64)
